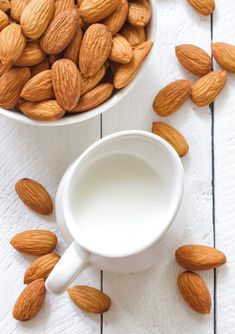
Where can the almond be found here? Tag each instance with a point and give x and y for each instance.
(195, 292)
(4, 68)
(17, 7)
(34, 242)
(41, 267)
(204, 7)
(89, 83)
(170, 98)
(62, 5)
(42, 111)
(172, 136)
(4, 20)
(194, 59)
(126, 73)
(12, 43)
(121, 51)
(39, 88)
(135, 36)
(206, 89)
(224, 54)
(198, 257)
(66, 83)
(60, 31)
(36, 16)
(94, 98)
(34, 195)
(139, 13)
(93, 11)
(32, 55)
(89, 299)
(95, 49)
(72, 51)
(43, 66)
(30, 301)
(5, 5)
(11, 84)
(116, 20)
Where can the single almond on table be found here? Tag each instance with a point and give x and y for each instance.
(12, 43)
(60, 32)
(93, 11)
(32, 55)
(194, 59)
(62, 5)
(4, 20)
(95, 49)
(170, 98)
(204, 7)
(121, 51)
(39, 88)
(126, 73)
(195, 292)
(139, 13)
(135, 36)
(88, 83)
(42, 111)
(72, 51)
(207, 88)
(11, 84)
(198, 257)
(41, 267)
(5, 5)
(224, 54)
(17, 7)
(66, 83)
(94, 97)
(172, 136)
(34, 242)
(89, 299)
(30, 301)
(43, 66)
(34, 195)
(116, 20)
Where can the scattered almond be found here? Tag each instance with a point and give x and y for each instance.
(170, 98)
(89, 299)
(207, 88)
(135, 36)
(88, 83)
(172, 136)
(117, 19)
(204, 7)
(41, 267)
(139, 13)
(42, 111)
(32, 55)
(195, 292)
(224, 54)
(121, 51)
(30, 301)
(93, 11)
(4, 20)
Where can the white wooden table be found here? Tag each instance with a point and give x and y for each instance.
(147, 302)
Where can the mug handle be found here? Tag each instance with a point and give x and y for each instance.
(72, 263)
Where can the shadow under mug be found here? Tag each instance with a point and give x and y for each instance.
(131, 238)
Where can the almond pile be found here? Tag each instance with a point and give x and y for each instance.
(60, 57)
(42, 243)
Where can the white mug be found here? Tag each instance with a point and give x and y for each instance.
(120, 197)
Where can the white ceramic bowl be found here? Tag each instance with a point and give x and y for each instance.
(118, 96)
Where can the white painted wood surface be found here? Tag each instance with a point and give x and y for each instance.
(146, 302)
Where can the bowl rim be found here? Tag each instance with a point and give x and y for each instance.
(113, 101)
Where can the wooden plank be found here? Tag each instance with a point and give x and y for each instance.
(149, 302)
(224, 123)
(43, 154)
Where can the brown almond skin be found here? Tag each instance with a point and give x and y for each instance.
(43, 66)
(170, 98)
(4, 20)
(95, 49)
(207, 88)
(41, 267)
(92, 11)
(135, 36)
(121, 51)
(89, 299)
(195, 292)
(60, 32)
(30, 301)
(117, 19)
(72, 51)
(17, 7)
(194, 59)
(204, 7)
(34, 195)
(198, 257)
(224, 54)
(46, 111)
(5, 5)
(88, 83)
(32, 55)
(62, 5)
(34, 242)
(172, 136)
(4, 68)
(139, 13)
(66, 83)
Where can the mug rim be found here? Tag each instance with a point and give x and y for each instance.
(175, 202)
